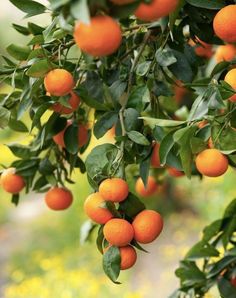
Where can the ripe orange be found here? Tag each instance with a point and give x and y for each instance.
(155, 10)
(122, 2)
(94, 207)
(128, 256)
(59, 82)
(150, 188)
(114, 189)
(203, 49)
(99, 38)
(155, 158)
(58, 198)
(74, 102)
(230, 78)
(11, 182)
(147, 225)
(82, 135)
(118, 232)
(173, 172)
(224, 23)
(211, 163)
(225, 53)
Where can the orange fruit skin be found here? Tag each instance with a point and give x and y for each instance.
(122, 2)
(224, 23)
(118, 232)
(150, 188)
(155, 158)
(225, 53)
(211, 163)
(230, 78)
(179, 92)
(74, 102)
(202, 124)
(94, 207)
(233, 281)
(114, 189)
(58, 198)
(101, 37)
(82, 136)
(155, 10)
(147, 225)
(128, 256)
(11, 182)
(175, 173)
(59, 82)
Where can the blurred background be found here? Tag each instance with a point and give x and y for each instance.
(40, 251)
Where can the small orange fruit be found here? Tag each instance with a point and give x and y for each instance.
(11, 182)
(101, 37)
(224, 23)
(150, 188)
(114, 189)
(94, 207)
(147, 225)
(173, 172)
(230, 78)
(82, 135)
(202, 124)
(58, 198)
(128, 256)
(122, 2)
(233, 281)
(179, 92)
(73, 101)
(155, 158)
(211, 163)
(225, 53)
(203, 49)
(118, 232)
(59, 82)
(155, 10)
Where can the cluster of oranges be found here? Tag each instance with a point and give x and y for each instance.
(144, 228)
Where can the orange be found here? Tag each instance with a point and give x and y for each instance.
(155, 158)
(233, 281)
(224, 23)
(101, 37)
(114, 189)
(95, 208)
(59, 82)
(11, 182)
(203, 49)
(150, 188)
(202, 124)
(122, 2)
(225, 53)
(155, 10)
(128, 256)
(74, 102)
(179, 92)
(58, 198)
(82, 135)
(147, 225)
(230, 78)
(174, 172)
(211, 163)
(118, 232)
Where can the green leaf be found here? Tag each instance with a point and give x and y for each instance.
(17, 125)
(106, 122)
(100, 239)
(143, 68)
(30, 7)
(71, 138)
(166, 145)
(152, 122)
(20, 151)
(86, 230)
(165, 57)
(138, 138)
(197, 145)
(39, 69)
(18, 52)
(230, 211)
(138, 98)
(21, 29)
(80, 11)
(144, 170)
(111, 263)
(212, 230)
(4, 117)
(208, 4)
(131, 119)
(15, 199)
(226, 289)
(87, 97)
(219, 266)
(200, 250)
(131, 206)
(46, 167)
(58, 3)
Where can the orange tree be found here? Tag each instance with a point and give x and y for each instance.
(161, 75)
